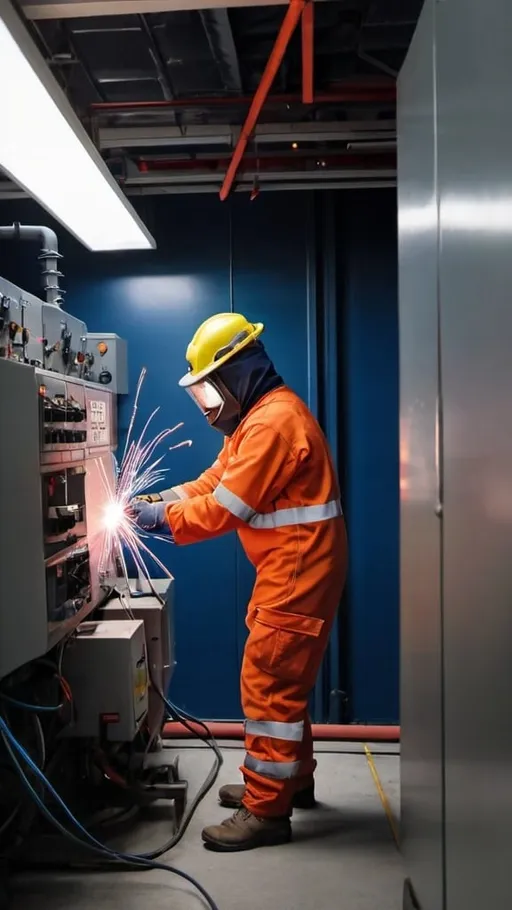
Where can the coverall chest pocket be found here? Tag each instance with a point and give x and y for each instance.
(286, 645)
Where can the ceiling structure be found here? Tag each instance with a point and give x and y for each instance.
(164, 89)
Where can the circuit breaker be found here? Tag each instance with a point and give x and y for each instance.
(157, 615)
(106, 667)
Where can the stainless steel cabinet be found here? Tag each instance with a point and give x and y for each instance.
(455, 216)
(420, 525)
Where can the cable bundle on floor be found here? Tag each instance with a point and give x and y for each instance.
(115, 860)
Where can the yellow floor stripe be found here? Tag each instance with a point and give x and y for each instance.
(383, 797)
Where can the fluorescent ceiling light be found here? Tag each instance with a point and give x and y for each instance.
(44, 149)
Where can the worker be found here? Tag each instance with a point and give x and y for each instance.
(273, 483)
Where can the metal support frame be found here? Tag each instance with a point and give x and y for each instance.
(158, 61)
(378, 64)
(220, 38)
(246, 186)
(89, 75)
(319, 177)
(78, 9)
(362, 132)
(9, 191)
(308, 28)
(286, 31)
(159, 780)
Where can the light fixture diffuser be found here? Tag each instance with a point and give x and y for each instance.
(45, 149)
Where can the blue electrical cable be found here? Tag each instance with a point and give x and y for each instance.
(208, 739)
(90, 842)
(27, 707)
(180, 714)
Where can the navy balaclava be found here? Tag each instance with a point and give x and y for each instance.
(246, 377)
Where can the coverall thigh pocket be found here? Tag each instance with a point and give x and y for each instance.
(287, 644)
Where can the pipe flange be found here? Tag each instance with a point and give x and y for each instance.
(50, 254)
(54, 287)
(54, 272)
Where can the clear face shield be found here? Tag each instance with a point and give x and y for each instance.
(216, 403)
(207, 398)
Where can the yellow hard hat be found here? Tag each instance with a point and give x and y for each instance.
(217, 340)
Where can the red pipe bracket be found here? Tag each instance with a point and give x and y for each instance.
(339, 93)
(290, 22)
(308, 26)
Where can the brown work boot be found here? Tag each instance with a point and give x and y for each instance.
(244, 831)
(231, 796)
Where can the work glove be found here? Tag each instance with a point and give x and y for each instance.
(149, 516)
(148, 497)
(164, 496)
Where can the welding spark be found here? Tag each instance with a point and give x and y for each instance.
(141, 468)
(113, 515)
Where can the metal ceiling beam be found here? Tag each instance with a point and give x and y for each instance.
(222, 45)
(378, 64)
(337, 129)
(89, 75)
(264, 134)
(163, 178)
(148, 136)
(78, 9)
(13, 192)
(158, 61)
(246, 187)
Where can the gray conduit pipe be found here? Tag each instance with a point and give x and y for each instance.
(49, 255)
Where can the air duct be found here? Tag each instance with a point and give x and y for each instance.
(49, 255)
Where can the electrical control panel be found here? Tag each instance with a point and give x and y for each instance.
(40, 334)
(107, 361)
(57, 436)
(78, 419)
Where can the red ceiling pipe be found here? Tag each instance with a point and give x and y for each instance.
(290, 21)
(321, 732)
(308, 26)
(351, 92)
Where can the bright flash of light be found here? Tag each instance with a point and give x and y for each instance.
(113, 515)
(141, 469)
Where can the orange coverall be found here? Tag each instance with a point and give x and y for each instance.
(275, 484)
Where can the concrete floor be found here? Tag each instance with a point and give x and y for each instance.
(342, 856)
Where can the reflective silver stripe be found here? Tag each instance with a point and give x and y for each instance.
(233, 503)
(298, 515)
(276, 729)
(173, 494)
(280, 770)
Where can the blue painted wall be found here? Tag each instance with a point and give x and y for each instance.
(366, 244)
(328, 299)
